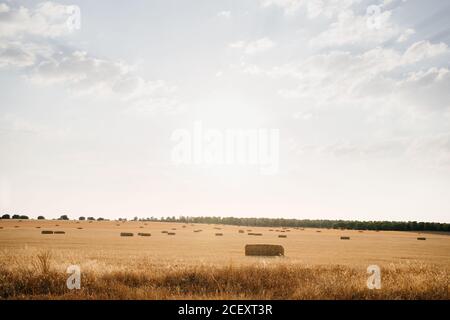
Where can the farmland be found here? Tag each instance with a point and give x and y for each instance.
(198, 264)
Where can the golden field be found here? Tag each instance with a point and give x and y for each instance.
(200, 265)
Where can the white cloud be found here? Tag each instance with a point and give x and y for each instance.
(426, 90)
(84, 74)
(313, 8)
(370, 79)
(47, 19)
(351, 29)
(423, 50)
(23, 34)
(253, 47)
(406, 35)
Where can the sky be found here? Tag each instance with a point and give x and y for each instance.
(93, 94)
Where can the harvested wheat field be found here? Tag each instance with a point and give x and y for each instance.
(199, 265)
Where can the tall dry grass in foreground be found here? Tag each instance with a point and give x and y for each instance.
(39, 279)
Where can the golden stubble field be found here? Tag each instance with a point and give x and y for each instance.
(200, 265)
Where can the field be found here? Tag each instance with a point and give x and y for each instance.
(200, 265)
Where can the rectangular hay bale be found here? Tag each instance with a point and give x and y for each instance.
(126, 234)
(264, 250)
(144, 234)
(345, 238)
(46, 232)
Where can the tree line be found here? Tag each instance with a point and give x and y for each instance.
(280, 222)
(307, 223)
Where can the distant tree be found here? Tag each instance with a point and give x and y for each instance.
(41, 218)
(24, 217)
(100, 219)
(6, 216)
(64, 217)
(15, 216)
(91, 218)
(81, 218)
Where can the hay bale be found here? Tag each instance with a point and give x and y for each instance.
(282, 236)
(59, 232)
(264, 250)
(318, 231)
(117, 225)
(198, 230)
(270, 229)
(345, 238)
(126, 234)
(38, 227)
(254, 234)
(241, 231)
(219, 234)
(79, 228)
(46, 232)
(171, 233)
(16, 226)
(183, 226)
(142, 227)
(249, 230)
(144, 234)
(421, 238)
(56, 225)
(174, 228)
(164, 231)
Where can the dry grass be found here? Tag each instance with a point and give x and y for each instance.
(273, 281)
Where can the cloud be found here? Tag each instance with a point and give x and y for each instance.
(313, 8)
(374, 78)
(422, 50)
(406, 35)
(23, 44)
(351, 29)
(427, 89)
(47, 19)
(253, 47)
(428, 151)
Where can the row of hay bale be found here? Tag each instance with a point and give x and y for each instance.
(131, 234)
